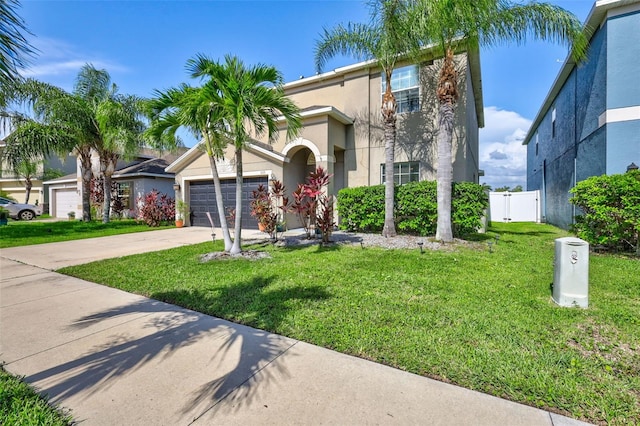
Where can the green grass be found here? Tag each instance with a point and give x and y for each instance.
(21, 405)
(482, 320)
(19, 233)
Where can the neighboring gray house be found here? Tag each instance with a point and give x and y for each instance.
(589, 123)
(133, 179)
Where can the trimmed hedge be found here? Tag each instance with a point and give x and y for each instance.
(416, 209)
(611, 211)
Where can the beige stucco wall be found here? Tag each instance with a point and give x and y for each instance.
(355, 151)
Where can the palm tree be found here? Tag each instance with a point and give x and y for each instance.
(458, 25)
(15, 50)
(118, 124)
(93, 117)
(250, 101)
(383, 40)
(28, 170)
(197, 110)
(59, 124)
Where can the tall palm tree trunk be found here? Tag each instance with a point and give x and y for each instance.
(444, 174)
(106, 207)
(448, 96)
(389, 122)
(85, 172)
(107, 166)
(237, 241)
(27, 186)
(220, 204)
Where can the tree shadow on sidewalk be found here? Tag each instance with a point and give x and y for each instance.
(237, 353)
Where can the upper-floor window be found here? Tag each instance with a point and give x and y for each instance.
(553, 122)
(403, 172)
(536, 143)
(405, 86)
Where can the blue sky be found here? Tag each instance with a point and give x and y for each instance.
(145, 44)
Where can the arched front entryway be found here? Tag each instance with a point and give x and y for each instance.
(301, 159)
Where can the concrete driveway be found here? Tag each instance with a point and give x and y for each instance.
(117, 358)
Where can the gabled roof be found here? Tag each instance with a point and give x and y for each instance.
(197, 150)
(154, 167)
(597, 16)
(70, 178)
(319, 110)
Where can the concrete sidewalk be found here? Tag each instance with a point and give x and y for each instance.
(117, 358)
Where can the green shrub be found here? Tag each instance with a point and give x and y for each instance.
(416, 208)
(611, 210)
(361, 208)
(468, 205)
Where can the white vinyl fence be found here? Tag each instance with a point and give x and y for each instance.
(515, 206)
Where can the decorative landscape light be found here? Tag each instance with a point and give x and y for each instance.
(631, 167)
(420, 244)
(497, 238)
(490, 244)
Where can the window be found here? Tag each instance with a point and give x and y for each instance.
(536, 143)
(403, 172)
(125, 193)
(405, 86)
(553, 122)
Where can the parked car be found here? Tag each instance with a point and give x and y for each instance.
(20, 211)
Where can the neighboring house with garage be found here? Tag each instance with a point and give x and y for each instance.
(342, 132)
(132, 178)
(13, 183)
(589, 123)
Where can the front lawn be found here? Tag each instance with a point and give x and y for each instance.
(483, 320)
(21, 405)
(19, 233)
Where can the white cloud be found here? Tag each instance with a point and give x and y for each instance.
(502, 155)
(57, 58)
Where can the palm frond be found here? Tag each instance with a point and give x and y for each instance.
(353, 39)
(541, 21)
(92, 84)
(15, 50)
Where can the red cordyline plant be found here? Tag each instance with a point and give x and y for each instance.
(313, 206)
(155, 208)
(268, 207)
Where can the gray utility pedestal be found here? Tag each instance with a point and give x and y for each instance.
(571, 272)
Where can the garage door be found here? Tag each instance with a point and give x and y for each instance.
(66, 200)
(203, 199)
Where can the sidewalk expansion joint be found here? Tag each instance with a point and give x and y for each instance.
(47, 297)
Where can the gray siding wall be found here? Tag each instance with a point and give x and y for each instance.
(623, 39)
(142, 186)
(623, 90)
(578, 149)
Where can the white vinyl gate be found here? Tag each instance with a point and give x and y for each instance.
(66, 200)
(515, 206)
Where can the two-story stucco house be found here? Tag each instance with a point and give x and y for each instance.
(589, 123)
(342, 132)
